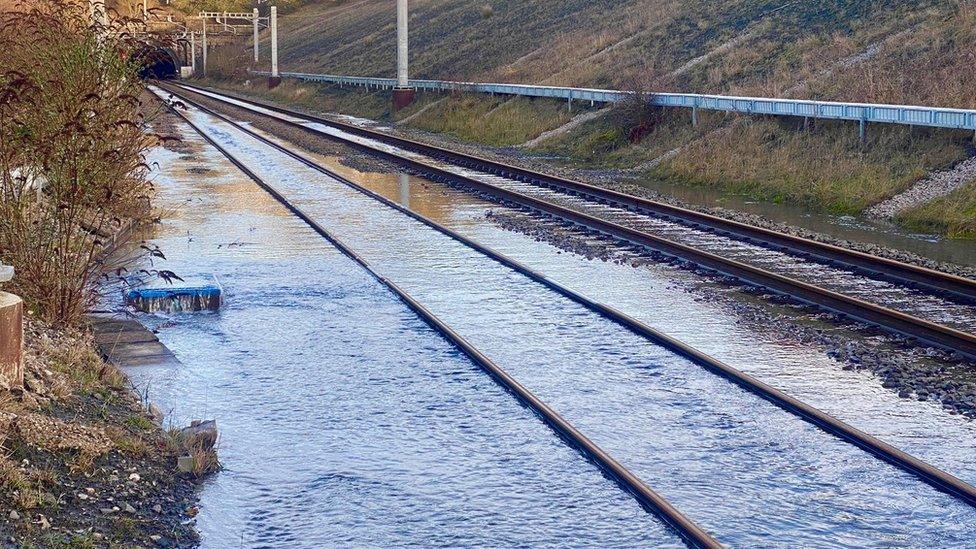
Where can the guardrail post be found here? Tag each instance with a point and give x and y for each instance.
(254, 17)
(694, 116)
(863, 131)
(274, 79)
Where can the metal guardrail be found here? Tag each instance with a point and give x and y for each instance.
(864, 113)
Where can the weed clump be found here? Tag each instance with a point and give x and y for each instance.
(197, 447)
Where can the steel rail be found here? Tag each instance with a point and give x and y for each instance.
(853, 260)
(892, 321)
(927, 473)
(690, 532)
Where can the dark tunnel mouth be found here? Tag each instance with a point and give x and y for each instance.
(157, 62)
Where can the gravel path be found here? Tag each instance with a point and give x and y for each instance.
(574, 123)
(936, 185)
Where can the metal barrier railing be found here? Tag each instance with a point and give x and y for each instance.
(864, 113)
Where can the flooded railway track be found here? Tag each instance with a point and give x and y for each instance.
(689, 531)
(913, 302)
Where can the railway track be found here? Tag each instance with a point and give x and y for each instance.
(915, 303)
(691, 533)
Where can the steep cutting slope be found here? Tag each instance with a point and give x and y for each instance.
(820, 48)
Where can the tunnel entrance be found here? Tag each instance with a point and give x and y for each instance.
(158, 62)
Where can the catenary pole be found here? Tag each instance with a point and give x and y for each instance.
(403, 17)
(254, 18)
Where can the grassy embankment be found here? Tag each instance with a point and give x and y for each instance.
(811, 49)
(81, 461)
(953, 215)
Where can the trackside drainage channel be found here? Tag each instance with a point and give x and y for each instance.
(654, 411)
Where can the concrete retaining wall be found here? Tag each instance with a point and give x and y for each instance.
(11, 340)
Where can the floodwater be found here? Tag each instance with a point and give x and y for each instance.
(344, 419)
(744, 469)
(656, 295)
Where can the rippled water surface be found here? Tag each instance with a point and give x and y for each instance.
(345, 421)
(744, 469)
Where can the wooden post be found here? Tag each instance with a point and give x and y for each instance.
(11, 340)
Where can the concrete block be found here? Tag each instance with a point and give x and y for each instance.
(11, 340)
(402, 97)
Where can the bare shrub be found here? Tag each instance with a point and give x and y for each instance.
(637, 114)
(72, 146)
(487, 11)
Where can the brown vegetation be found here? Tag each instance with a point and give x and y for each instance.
(72, 140)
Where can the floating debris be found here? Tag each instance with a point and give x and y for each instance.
(165, 295)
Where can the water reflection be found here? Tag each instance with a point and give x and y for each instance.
(404, 183)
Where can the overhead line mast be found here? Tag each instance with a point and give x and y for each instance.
(403, 94)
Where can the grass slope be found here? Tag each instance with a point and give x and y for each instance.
(894, 51)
